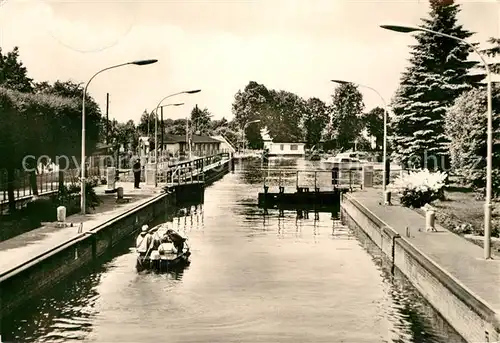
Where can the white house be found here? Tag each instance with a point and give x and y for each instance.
(225, 145)
(282, 149)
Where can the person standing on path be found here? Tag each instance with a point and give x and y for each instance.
(137, 173)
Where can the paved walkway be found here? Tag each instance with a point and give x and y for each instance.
(459, 257)
(19, 249)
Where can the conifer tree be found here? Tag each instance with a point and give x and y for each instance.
(437, 75)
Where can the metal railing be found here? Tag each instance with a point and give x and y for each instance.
(182, 171)
(316, 180)
(47, 183)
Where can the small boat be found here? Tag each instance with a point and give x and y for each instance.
(165, 262)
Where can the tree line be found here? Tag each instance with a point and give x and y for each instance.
(290, 118)
(198, 122)
(39, 118)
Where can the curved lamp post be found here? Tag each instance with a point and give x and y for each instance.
(162, 126)
(138, 63)
(489, 153)
(244, 128)
(156, 126)
(384, 184)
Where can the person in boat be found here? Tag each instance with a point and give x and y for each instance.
(166, 247)
(156, 239)
(143, 241)
(177, 240)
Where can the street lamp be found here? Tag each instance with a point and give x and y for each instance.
(384, 183)
(161, 117)
(489, 153)
(138, 63)
(156, 127)
(244, 128)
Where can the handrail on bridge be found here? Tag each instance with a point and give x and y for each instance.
(336, 180)
(194, 167)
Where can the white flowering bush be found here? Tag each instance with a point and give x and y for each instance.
(419, 188)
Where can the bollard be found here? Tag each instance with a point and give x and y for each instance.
(61, 214)
(335, 176)
(119, 193)
(430, 217)
(387, 198)
(367, 175)
(110, 178)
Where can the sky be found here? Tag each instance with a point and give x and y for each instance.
(219, 46)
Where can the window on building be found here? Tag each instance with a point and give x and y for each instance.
(294, 147)
(282, 146)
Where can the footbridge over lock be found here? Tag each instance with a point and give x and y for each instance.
(314, 189)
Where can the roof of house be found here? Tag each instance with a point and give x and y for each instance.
(195, 139)
(278, 142)
(101, 148)
(224, 140)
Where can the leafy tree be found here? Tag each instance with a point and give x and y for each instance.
(124, 134)
(347, 109)
(437, 75)
(280, 111)
(37, 125)
(286, 122)
(316, 119)
(218, 124)
(374, 123)
(254, 102)
(13, 74)
(93, 118)
(146, 124)
(200, 120)
(175, 127)
(465, 125)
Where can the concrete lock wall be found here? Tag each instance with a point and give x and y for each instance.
(30, 279)
(470, 317)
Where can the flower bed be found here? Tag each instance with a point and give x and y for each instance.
(419, 188)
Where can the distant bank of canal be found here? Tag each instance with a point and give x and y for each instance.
(253, 278)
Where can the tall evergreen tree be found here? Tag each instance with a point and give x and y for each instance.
(437, 75)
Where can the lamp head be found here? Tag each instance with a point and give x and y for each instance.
(143, 62)
(400, 28)
(179, 104)
(342, 82)
(193, 91)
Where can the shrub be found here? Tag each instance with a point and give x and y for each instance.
(91, 199)
(419, 188)
(465, 125)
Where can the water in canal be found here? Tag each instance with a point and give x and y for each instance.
(253, 278)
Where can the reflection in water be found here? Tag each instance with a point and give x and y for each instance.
(257, 275)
